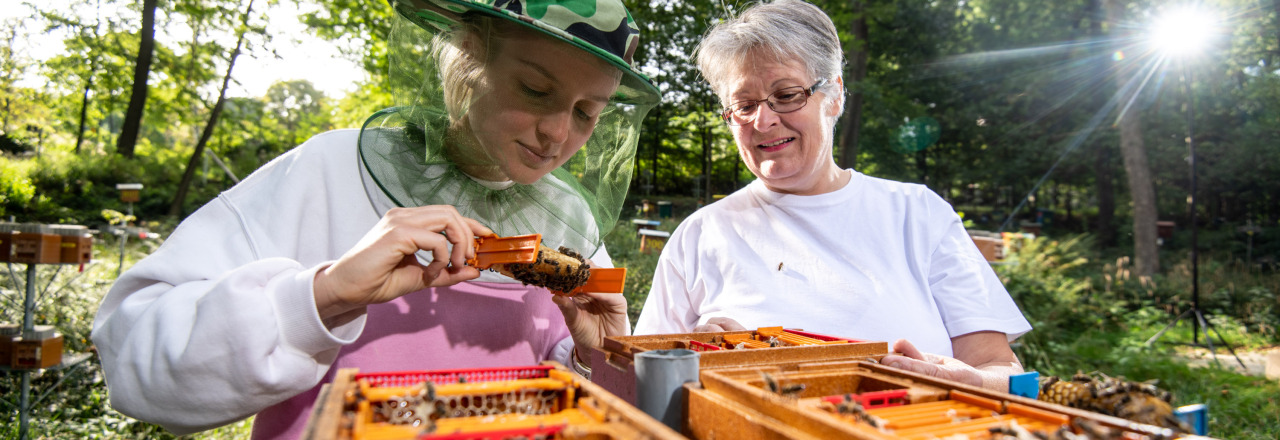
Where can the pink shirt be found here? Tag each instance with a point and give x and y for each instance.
(469, 325)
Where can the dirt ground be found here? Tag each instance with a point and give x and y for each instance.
(1263, 363)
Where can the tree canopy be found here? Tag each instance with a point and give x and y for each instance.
(1008, 108)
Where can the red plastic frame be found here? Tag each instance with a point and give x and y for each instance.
(871, 399)
(410, 378)
(526, 433)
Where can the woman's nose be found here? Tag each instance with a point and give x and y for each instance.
(765, 118)
(554, 127)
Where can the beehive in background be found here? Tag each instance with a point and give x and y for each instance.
(32, 243)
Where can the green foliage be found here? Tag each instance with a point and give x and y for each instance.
(16, 190)
(1070, 300)
(1043, 276)
(74, 402)
(361, 26)
(1094, 316)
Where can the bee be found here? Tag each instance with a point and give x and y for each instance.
(853, 408)
(420, 409)
(783, 390)
(1092, 429)
(1009, 432)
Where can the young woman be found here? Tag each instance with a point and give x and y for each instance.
(349, 251)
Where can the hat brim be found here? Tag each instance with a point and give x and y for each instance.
(443, 15)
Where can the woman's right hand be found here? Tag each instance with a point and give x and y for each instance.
(719, 324)
(382, 266)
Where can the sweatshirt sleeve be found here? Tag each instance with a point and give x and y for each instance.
(193, 337)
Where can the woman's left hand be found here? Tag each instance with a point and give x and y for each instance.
(592, 316)
(992, 375)
(929, 364)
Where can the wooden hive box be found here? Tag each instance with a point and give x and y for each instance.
(813, 401)
(29, 353)
(613, 365)
(6, 242)
(36, 244)
(76, 245)
(545, 401)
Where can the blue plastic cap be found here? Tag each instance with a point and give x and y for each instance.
(1195, 415)
(1025, 384)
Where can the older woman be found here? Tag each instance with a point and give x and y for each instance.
(810, 245)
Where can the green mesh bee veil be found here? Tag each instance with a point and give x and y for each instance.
(419, 153)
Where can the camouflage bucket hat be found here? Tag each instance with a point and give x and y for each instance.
(603, 28)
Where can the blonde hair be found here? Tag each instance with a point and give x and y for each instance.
(463, 53)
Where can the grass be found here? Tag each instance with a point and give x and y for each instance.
(1240, 406)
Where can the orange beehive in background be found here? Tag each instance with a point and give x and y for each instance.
(40, 347)
(76, 245)
(35, 244)
(45, 244)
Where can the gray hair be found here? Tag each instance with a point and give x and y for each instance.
(784, 30)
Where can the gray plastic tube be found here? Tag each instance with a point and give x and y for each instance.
(659, 376)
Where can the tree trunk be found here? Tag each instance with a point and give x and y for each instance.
(1146, 258)
(1275, 9)
(138, 99)
(1104, 183)
(1136, 166)
(922, 165)
(180, 196)
(851, 124)
(84, 107)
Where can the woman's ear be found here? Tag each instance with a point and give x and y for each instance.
(838, 105)
(471, 46)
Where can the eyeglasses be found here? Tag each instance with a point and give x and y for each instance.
(785, 100)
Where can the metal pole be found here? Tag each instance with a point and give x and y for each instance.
(28, 324)
(29, 302)
(24, 405)
(124, 237)
(1191, 201)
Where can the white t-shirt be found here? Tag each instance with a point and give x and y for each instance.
(876, 260)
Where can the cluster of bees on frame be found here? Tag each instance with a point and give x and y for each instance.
(1141, 402)
(419, 410)
(558, 274)
(1084, 430)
